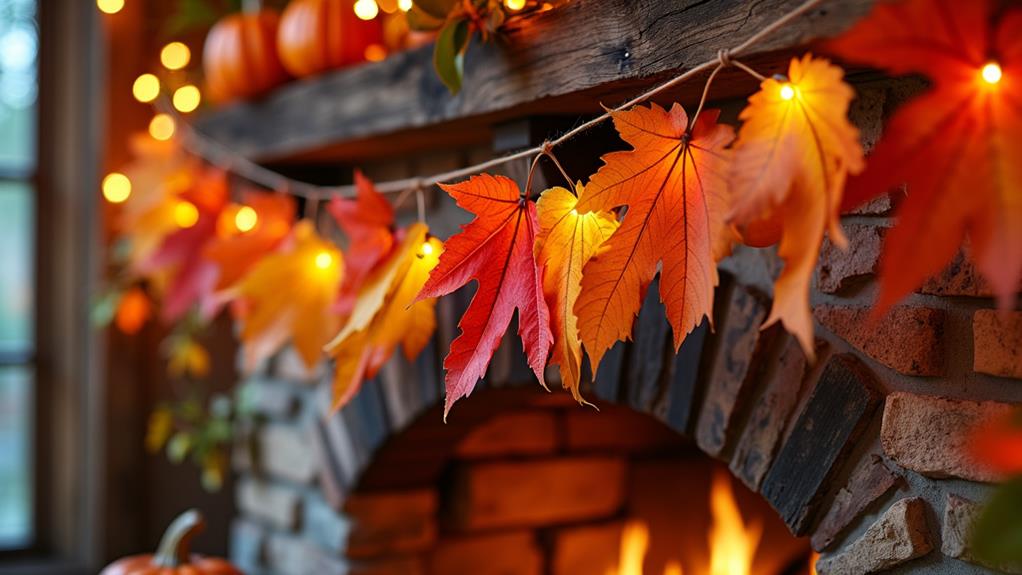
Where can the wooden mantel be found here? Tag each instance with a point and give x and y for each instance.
(564, 61)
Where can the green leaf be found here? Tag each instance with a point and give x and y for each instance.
(438, 9)
(420, 20)
(105, 308)
(179, 446)
(449, 53)
(997, 536)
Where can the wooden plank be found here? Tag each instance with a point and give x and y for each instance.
(567, 60)
(646, 362)
(836, 415)
(684, 376)
(870, 480)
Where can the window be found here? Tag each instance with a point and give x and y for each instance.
(19, 39)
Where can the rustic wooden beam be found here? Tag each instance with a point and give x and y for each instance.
(567, 60)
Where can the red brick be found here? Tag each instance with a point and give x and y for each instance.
(499, 554)
(524, 433)
(386, 524)
(870, 480)
(900, 535)
(839, 268)
(960, 515)
(929, 435)
(588, 549)
(909, 340)
(997, 337)
(959, 278)
(539, 492)
(617, 429)
(867, 113)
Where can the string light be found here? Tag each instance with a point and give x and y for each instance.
(185, 214)
(427, 249)
(162, 127)
(116, 187)
(375, 53)
(246, 219)
(187, 98)
(991, 73)
(175, 56)
(366, 9)
(404, 5)
(324, 260)
(110, 6)
(514, 5)
(787, 92)
(146, 88)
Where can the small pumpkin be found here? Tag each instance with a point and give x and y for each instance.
(320, 35)
(172, 556)
(240, 56)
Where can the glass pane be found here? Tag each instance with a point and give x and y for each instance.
(15, 457)
(19, 47)
(17, 237)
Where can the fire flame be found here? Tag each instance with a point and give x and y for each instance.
(732, 542)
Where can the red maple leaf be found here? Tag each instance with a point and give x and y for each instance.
(958, 146)
(496, 250)
(368, 221)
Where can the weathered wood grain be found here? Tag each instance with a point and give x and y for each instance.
(567, 60)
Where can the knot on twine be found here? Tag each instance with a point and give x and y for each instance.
(724, 57)
(546, 148)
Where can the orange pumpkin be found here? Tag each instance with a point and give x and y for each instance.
(240, 56)
(172, 557)
(320, 35)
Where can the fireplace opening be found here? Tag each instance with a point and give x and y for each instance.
(520, 481)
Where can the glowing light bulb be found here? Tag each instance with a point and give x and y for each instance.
(514, 5)
(427, 249)
(324, 260)
(187, 98)
(161, 127)
(175, 56)
(246, 219)
(787, 92)
(991, 73)
(366, 9)
(404, 5)
(574, 212)
(375, 53)
(185, 214)
(110, 6)
(116, 187)
(146, 88)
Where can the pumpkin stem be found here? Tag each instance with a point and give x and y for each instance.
(174, 549)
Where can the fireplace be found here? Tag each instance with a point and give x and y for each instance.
(858, 457)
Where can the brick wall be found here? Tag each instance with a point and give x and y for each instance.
(862, 451)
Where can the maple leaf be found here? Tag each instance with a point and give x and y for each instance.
(288, 295)
(235, 252)
(567, 240)
(368, 221)
(496, 250)
(193, 277)
(386, 314)
(957, 146)
(674, 186)
(791, 159)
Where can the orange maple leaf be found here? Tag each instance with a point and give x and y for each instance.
(958, 146)
(567, 240)
(791, 159)
(235, 252)
(288, 295)
(495, 249)
(386, 315)
(673, 182)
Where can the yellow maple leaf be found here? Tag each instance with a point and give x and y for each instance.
(567, 240)
(793, 154)
(288, 295)
(386, 315)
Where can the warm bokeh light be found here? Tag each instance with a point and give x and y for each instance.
(366, 9)
(514, 5)
(175, 56)
(246, 219)
(146, 88)
(187, 98)
(787, 92)
(732, 542)
(116, 187)
(185, 214)
(375, 53)
(324, 260)
(404, 5)
(991, 73)
(427, 249)
(161, 127)
(110, 6)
